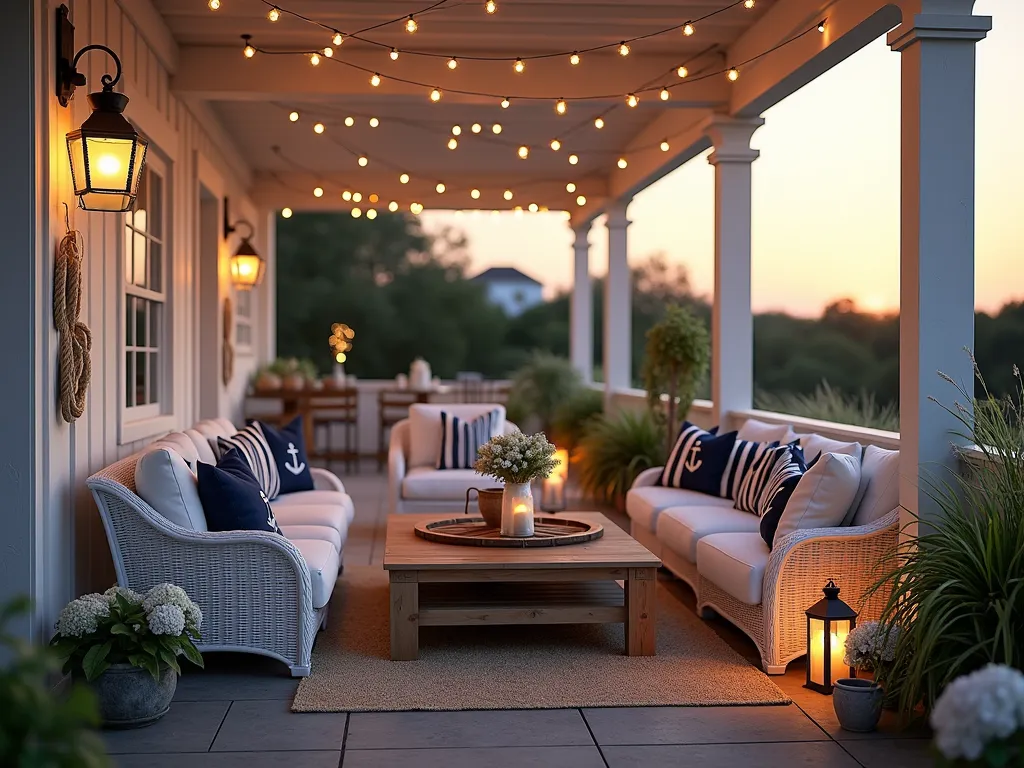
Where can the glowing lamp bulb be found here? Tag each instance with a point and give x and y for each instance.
(682, 71)
(632, 100)
(456, 130)
(533, 208)
(490, 6)
(338, 39)
(748, 4)
(665, 94)
(507, 194)
(318, 127)
(392, 206)
(328, 51)
(570, 187)
(357, 197)
(440, 187)
(404, 178)
(524, 152)
(599, 123)
(435, 95)
(411, 26)
(560, 106)
(315, 60)
(664, 146)
(293, 116)
(573, 159)
(374, 197)
(349, 122)
(821, 26)
(213, 5)
(375, 79)
(286, 213)
(108, 165)
(574, 59)
(453, 143)
(556, 144)
(452, 63)
(475, 194)
(519, 66)
(363, 161)
(505, 103)
(346, 195)
(623, 49)
(273, 14)
(496, 129)
(394, 54)
(476, 128)
(356, 213)
(581, 200)
(318, 192)
(371, 214)
(374, 122)
(622, 163)
(248, 51)
(734, 75)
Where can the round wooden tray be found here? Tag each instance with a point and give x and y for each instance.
(474, 532)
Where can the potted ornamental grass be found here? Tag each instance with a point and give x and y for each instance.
(858, 700)
(126, 647)
(978, 719)
(516, 460)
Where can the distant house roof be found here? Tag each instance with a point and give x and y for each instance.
(505, 275)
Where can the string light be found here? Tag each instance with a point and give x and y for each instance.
(293, 116)
(375, 79)
(505, 103)
(475, 194)
(374, 197)
(560, 106)
(374, 122)
(349, 122)
(574, 59)
(411, 26)
(394, 54)
(507, 194)
(476, 128)
(599, 123)
(392, 206)
(328, 51)
(524, 152)
(453, 143)
(688, 29)
(665, 94)
(346, 195)
(404, 178)
(318, 191)
(632, 100)
(622, 163)
(213, 5)
(357, 197)
(440, 187)
(734, 74)
(363, 161)
(533, 208)
(248, 51)
(356, 213)
(416, 208)
(682, 71)
(623, 49)
(338, 39)
(452, 63)
(748, 4)
(273, 14)
(573, 159)
(371, 214)
(581, 200)
(821, 25)
(456, 130)
(490, 6)
(556, 144)
(286, 213)
(318, 127)
(570, 187)
(519, 66)
(315, 60)
(664, 145)
(435, 95)
(496, 129)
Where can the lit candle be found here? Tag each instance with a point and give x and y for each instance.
(522, 520)
(553, 493)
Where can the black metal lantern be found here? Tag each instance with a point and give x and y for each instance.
(247, 266)
(107, 154)
(829, 623)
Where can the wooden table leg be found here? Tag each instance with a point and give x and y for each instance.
(641, 611)
(405, 616)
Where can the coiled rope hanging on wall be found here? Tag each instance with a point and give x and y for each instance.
(74, 367)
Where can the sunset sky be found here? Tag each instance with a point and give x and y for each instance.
(826, 193)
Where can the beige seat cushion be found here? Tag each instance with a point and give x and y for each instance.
(823, 496)
(201, 444)
(644, 504)
(330, 515)
(180, 443)
(680, 528)
(763, 432)
(815, 445)
(321, 532)
(323, 562)
(429, 484)
(735, 562)
(425, 428)
(881, 471)
(329, 498)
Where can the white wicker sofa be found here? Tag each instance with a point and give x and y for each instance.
(260, 592)
(718, 550)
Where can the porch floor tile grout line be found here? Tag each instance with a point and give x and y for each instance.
(344, 739)
(830, 736)
(594, 738)
(219, 727)
(596, 744)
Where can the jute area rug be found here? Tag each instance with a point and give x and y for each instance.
(513, 667)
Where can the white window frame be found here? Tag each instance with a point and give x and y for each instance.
(245, 320)
(142, 421)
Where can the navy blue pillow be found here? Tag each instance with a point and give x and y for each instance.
(698, 460)
(232, 498)
(784, 477)
(289, 449)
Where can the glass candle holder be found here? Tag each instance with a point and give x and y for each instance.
(517, 510)
(552, 497)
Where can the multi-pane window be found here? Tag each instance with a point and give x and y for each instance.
(243, 320)
(146, 339)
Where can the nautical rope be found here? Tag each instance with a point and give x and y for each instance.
(75, 339)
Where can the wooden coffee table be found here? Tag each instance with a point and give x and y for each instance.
(436, 584)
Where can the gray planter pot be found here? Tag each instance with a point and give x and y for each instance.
(858, 704)
(129, 697)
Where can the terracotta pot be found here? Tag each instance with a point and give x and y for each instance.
(294, 381)
(268, 381)
(489, 503)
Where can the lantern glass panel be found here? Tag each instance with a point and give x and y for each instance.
(246, 271)
(110, 163)
(816, 649)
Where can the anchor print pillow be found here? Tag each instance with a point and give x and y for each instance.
(289, 450)
(232, 497)
(698, 460)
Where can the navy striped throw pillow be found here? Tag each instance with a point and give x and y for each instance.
(252, 444)
(460, 439)
(789, 468)
(745, 455)
(698, 459)
(757, 477)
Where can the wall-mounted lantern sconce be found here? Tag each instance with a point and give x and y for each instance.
(107, 155)
(247, 266)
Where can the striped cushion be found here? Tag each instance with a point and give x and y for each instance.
(786, 473)
(756, 478)
(460, 439)
(745, 455)
(253, 445)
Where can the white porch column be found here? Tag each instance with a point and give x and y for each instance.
(732, 324)
(618, 302)
(937, 234)
(581, 319)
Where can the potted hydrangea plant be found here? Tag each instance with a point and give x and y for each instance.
(516, 460)
(126, 646)
(858, 701)
(979, 719)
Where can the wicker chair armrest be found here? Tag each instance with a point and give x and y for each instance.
(850, 534)
(325, 480)
(397, 462)
(648, 477)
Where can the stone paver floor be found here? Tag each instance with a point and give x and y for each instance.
(235, 714)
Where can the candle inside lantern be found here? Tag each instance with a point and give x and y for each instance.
(552, 497)
(522, 520)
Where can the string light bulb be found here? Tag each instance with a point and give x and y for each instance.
(403, 179)
(556, 144)
(435, 95)
(248, 51)
(375, 79)
(356, 213)
(688, 29)
(476, 127)
(734, 74)
(440, 187)
(357, 197)
(665, 94)
(410, 25)
(293, 116)
(315, 60)
(748, 4)
(682, 71)
(490, 6)
(574, 58)
(349, 122)
(318, 128)
(524, 152)
(622, 163)
(623, 49)
(328, 51)
(581, 200)
(821, 25)
(496, 129)
(507, 194)
(392, 206)
(519, 66)
(573, 159)
(452, 63)
(363, 161)
(374, 197)
(534, 208)
(599, 123)
(273, 14)
(456, 130)
(570, 187)
(505, 103)
(664, 145)
(416, 208)
(338, 38)
(632, 100)
(560, 106)
(286, 213)
(371, 214)
(213, 5)
(318, 191)
(394, 54)
(346, 195)
(475, 194)
(374, 122)
(453, 143)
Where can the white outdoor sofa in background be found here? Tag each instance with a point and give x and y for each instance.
(718, 550)
(259, 592)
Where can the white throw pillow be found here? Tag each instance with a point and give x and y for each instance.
(881, 470)
(823, 496)
(763, 432)
(164, 481)
(815, 445)
(425, 427)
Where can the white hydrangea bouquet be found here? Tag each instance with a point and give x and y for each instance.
(979, 719)
(516, 458)
(870, 646)
(122, 626)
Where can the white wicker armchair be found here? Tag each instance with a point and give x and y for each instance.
(254, 587)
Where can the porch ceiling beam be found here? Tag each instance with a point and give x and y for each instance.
(149, 21)
(222, 74)
(850, 25)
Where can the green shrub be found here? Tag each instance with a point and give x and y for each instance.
(573, 416)
(829, 404)
(539, 388)
(958, 588)
(614, 450)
